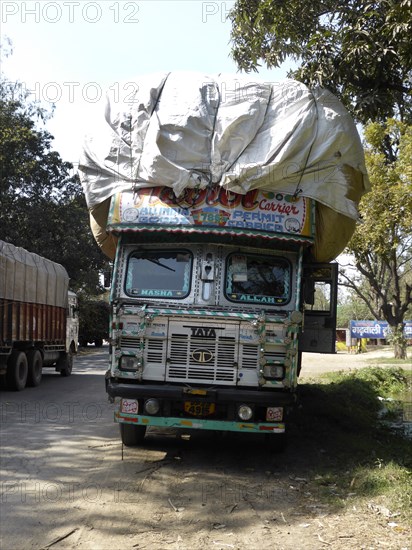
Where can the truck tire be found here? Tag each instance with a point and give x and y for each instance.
(65, 363)
(17, 371)
(35, 366)
(131, 435)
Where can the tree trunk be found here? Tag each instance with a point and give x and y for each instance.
(399, 341)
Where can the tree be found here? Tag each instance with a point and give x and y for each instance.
(359, 49)
(94, 317)
(42, 204)
(351, 308)
(382, 243)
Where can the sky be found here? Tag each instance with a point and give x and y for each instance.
(70, 52)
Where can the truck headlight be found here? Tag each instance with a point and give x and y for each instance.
(131, 363)
(151, 406)
(245, 412)
(273, 372)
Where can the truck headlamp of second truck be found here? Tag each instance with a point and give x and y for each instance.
(273, 372)
(130, 363)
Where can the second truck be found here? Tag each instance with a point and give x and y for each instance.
(38, 317)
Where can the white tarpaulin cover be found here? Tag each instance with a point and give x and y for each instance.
(187, 130)
(27, 277)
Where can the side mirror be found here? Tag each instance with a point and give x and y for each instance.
(309, 292)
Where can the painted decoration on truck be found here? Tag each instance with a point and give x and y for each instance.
(213, 207)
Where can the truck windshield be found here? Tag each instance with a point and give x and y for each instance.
(159, 274)
(257, 279)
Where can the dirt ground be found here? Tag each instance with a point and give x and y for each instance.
(66, 483)
(316, 363)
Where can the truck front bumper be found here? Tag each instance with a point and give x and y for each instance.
(224, 395)
(200, 424)
(225, 402)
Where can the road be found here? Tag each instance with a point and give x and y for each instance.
(65, 483)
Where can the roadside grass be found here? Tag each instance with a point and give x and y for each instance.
(392, 361)
(346, 423)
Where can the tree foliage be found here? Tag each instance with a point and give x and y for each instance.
(361, 50)
(351, 308)
(42, 204)
(382, 243)
(94, 317)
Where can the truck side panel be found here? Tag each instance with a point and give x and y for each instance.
(22, 321)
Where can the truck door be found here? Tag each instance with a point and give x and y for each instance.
(319, 296)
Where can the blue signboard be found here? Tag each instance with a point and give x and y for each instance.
(376, 329)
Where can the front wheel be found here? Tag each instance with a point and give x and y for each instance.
(131, 435)
(65, 363)
(17, 371)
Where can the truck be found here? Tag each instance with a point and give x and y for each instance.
(223, 222)
(38, 317)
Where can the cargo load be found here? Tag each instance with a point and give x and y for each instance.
(185, 130)
(27, 277)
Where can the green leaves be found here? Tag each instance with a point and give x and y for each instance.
(360, 50)
(42, 204)
(382, 243)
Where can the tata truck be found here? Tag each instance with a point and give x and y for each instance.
(38, 317)
(222, 213)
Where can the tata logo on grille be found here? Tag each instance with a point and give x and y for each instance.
(202, 356)
(203, 332)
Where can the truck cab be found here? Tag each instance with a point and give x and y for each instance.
(207, 310)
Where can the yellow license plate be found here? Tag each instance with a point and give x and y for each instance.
(199, 409)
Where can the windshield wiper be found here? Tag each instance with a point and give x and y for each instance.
(161, 265)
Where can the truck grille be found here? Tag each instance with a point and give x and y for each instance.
(130, 342)
(249, 356)
(194, 359)
(203, 352)
(154, 351)
(211, 358)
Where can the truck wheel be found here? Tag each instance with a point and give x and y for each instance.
(65, 363)
(35, 365)
(17, 371)
(131, 435)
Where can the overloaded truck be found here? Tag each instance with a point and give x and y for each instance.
(38, 317)
(223, 204)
